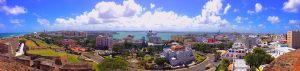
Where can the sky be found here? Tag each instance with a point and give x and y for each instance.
(249, 16)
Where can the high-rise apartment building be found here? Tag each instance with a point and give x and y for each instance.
(104, 42)
(293, 39)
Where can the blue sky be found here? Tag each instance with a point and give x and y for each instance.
(257, 16)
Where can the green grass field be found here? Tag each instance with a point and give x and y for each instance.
(48, 52)
(30, 44)
(54, 46)
(42, 44)
(199, 58)
(73, 58)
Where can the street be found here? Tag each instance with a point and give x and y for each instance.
(201, 67)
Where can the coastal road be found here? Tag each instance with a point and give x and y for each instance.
(201, 67)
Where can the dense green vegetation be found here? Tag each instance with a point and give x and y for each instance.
(224, 65)
(258, 57)
(152, 50)
(206, 48)
(160, 61)
(112, 64)
(123, 47)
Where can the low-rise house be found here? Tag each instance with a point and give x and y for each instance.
(66, 42)
(178, 55)
(280, 50)
(78, 48)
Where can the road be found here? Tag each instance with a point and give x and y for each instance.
(201, 67)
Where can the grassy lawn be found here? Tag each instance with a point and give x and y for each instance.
(220, 68)
(199, 58)
(54, 46)
(22, 39)
(73, 58)
(30, 44)
(95, 66)
(42, 44)
(46, 52)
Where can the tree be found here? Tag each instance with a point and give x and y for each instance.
(140, 54)
(224, 65)
(258, 57)
(152, 50)
(160, 61)
(221, 46)
(113, 64)
(204, 48)
(228, 46)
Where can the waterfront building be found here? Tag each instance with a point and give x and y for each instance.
(178, 38)
(104, 42)
(293, 39)
(154, 39)
(178, 55)
(151, 33)
(74, 34)
(129, 39)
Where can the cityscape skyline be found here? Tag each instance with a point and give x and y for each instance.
(245, 16)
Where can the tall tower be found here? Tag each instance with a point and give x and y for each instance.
(293, 39)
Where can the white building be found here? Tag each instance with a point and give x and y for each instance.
(21, 50)
(240, 65)
(238, 51)
(279, 50)
(178, 55)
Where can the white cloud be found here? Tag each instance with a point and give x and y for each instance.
(227, 8)
(43, 22)
(258, 7)
(294, 22)
(238, 19)
(250, 22)
(152, 5)
(132, 16)
(273, 19)
(2, 1)
(250, 12)
(16, 22)
(235, 10)
(1, 26)
(14, 10)
(291, 6)
(261, 26)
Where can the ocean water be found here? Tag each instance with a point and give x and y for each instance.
(139, 35)
(4, 35)
(121, 35)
